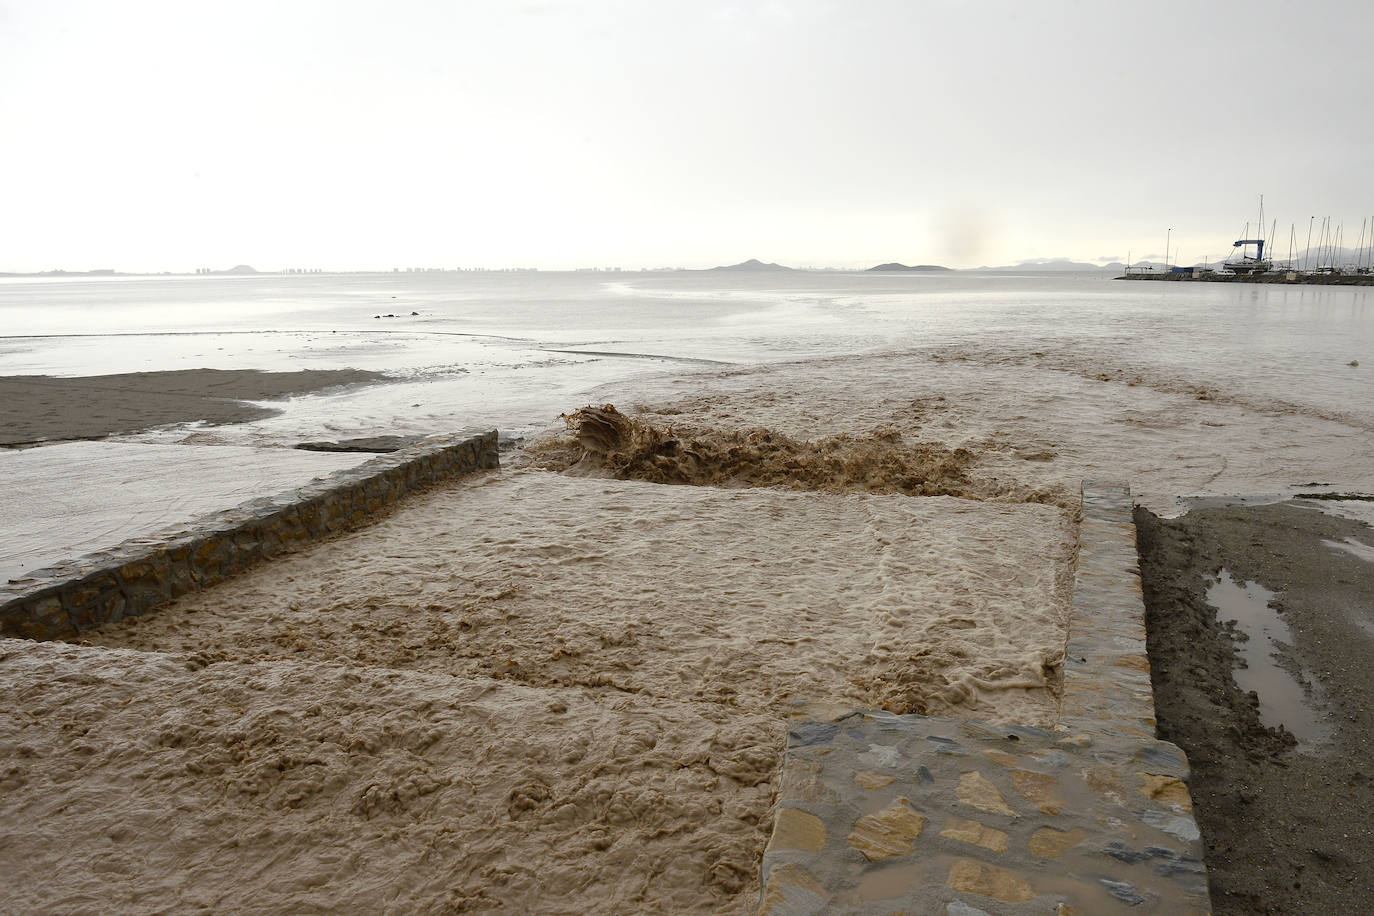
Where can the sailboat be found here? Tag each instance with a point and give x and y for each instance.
(1248, 264)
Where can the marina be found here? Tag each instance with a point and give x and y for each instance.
(1329, 264)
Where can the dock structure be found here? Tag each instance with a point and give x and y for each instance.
(1288, 277)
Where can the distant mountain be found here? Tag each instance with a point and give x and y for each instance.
(894, 266)
(752, 264)
(239, 269)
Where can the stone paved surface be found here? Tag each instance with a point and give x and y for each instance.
(882, 814)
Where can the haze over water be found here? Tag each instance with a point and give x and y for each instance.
(516, 349)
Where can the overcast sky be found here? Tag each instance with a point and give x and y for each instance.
(172, 135)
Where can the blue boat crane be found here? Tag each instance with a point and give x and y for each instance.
(1259, 251)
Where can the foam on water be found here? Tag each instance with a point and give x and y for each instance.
(605, 440)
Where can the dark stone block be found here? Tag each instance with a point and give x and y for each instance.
(805, 734)
(1122, 891)
(1123, 853)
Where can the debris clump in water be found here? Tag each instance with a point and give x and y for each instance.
(606, 441)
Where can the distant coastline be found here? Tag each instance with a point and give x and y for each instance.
(753, 265)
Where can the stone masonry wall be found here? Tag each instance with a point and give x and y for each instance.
(142, 573)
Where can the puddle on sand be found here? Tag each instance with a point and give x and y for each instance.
(1282, 700)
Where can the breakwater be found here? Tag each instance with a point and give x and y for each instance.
(142, 573)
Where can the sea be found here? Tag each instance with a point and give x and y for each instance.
(514, 350)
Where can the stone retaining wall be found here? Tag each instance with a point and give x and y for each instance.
(142, 573)
(879, 813)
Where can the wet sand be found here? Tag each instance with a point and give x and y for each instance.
(1286, 806)
(40, 408)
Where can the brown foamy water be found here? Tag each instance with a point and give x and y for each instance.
(604, 441)
(529, 675)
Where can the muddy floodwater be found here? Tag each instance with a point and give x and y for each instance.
(725, 502)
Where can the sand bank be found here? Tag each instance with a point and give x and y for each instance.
(39, 408)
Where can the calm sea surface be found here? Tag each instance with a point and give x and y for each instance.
(515, 349)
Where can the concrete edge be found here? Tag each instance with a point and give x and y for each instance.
(144, 572)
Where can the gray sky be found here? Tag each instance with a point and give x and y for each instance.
(148, 135)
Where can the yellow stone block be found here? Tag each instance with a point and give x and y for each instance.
(1167, 789)
(793, 829)
(888, 832)
(1003, 758)
(974, 789)
(1039, 789)
(989, 881)
(803, 780)
(872, 781)
(975, 833)
(1106, 782)
(1049, 843)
